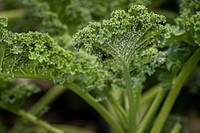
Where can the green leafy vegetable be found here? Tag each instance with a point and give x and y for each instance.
(37, 55)
(24, 53)
(133, 37)
(108, 57)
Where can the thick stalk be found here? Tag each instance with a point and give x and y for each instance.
(150, 94)
(129, 89)
(98, 107)
(152, 111)
(137, 97)
(32, 118)
(119, 109)
(119, 113)
(146, 100)
(174, 92)
(177, 128)
(48, 98)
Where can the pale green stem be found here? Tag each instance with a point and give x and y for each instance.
(120, 110)
(146, 100)
(177, 128)
(119, 113)
(97, 106)
(152, 111)
(48, 98)
(31, 118)
(171, 98)
(129, 89)
(150, 94)
(137, 97)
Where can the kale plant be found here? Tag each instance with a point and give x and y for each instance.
(105, 52)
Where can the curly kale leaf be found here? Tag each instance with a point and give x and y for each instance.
(196, 27)
(71, 14)
(32, 53)
(188, 24)
(184, 38)
(64, 19)
(75, 14)
(67, 17)
(37, 55)
(134, 36)
(50, 20)
(188, 29)
(3, 22)
(189, 7)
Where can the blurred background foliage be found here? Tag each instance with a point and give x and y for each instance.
(62, 22)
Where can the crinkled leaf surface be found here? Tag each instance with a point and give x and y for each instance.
(188, 24)
(133, 36)
(37, 55)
